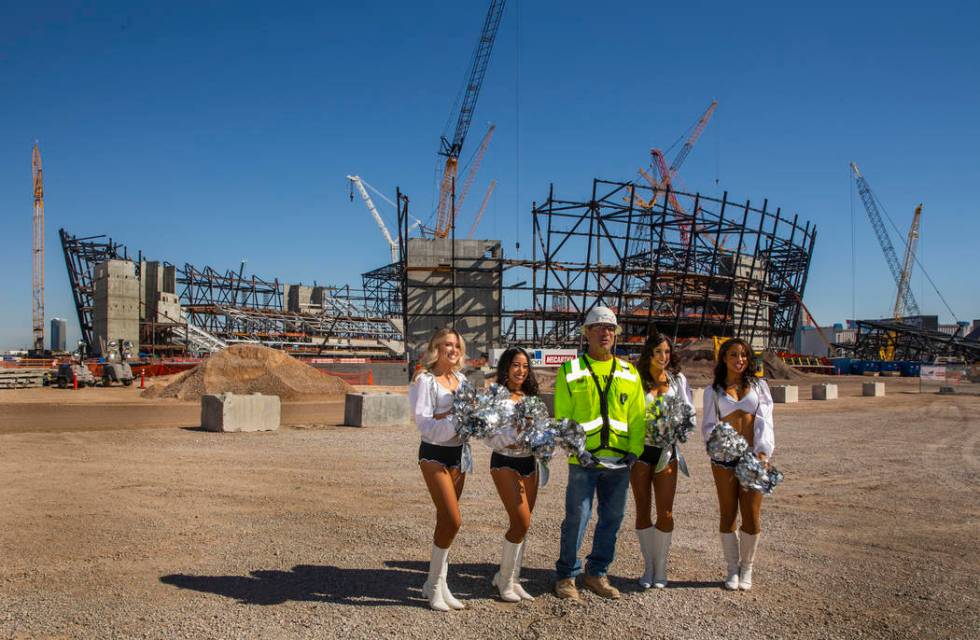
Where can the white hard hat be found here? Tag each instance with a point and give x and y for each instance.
(601, 315)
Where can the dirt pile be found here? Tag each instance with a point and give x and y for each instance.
(250, 368)
(776, 369)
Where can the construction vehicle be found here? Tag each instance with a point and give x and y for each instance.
(116, 367)
(67, 373)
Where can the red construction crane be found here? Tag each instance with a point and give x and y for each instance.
(483, 207)
(38, 307)
(474, 166)
(451, 148)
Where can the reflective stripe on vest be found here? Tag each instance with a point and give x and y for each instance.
(592, 426)
(624, 372)
(576, 371)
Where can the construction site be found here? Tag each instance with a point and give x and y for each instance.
(129, 517)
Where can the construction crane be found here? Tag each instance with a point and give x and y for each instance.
(483, 207)
(450, 148)
(357, 183)
(475, 166)
(666, 174)
(908, 302)
(906, 275)
(38, 252)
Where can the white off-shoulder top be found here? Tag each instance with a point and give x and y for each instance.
(757, 402)
(427, 398)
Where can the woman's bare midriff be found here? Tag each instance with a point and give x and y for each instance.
(744, 423)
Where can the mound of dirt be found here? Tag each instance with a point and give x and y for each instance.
(251, 368)
(776, 369)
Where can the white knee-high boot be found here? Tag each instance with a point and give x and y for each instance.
(661, 548)
(747, 546)
(518, 589)
(645, 536)
(435, 587)
(504, 579)
(729, 546)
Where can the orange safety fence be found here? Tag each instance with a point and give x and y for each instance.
(30, 363)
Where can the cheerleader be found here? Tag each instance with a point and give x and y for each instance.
(742, 400)
(659, 369)
(441, 453)
(514, 472)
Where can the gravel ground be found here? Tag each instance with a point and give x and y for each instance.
(323, 531)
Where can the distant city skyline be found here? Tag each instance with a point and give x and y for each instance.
(215, 134)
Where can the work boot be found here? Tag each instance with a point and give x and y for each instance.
(661, 548)
(504, 578)
(566, 589)
(645, 536)
(747, 546)
(729, 546)
(600, 586)
(518, 589)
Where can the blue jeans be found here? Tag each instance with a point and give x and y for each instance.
(611, 487)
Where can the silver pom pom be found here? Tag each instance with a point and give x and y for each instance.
(725, 444)
(753, 475)
(669, 420)
(479, 414)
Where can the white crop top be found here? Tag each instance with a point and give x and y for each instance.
(757, 402)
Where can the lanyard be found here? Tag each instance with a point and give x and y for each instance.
(603, 399)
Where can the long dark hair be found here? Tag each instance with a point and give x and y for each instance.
(530, 386)
(721, 369)
(643, 364)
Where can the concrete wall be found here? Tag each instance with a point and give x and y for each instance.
(116, 314)
(384, 373)
(473, 306)
(158, 286)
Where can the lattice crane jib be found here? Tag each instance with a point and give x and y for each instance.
(906, 276)
(38, 252)
(878, 224)
(462, 113)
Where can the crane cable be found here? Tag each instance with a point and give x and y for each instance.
(517, 129)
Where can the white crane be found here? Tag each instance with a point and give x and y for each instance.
(392, 244)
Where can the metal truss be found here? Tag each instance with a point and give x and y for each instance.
(690, 265)
(81, 256)
(907, 342)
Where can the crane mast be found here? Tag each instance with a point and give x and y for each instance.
(452, 147)
(874, 215)
(392, 245)
(38, 252)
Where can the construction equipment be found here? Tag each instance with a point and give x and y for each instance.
(906, 275)
(356, 181)
(69, 372)
(38, 252)
(116, 367)
(475, 166)
(907, 302)
(483, 207)
(450, 148)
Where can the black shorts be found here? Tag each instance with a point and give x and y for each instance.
(727, 465)
(651, 455)
(448, 457)
(524, 465)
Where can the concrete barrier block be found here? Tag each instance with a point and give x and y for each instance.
(698, 397)
(784, 393)
(229, 412)
(824, 392)
(873, 389)
(947, 390)
(376, 410)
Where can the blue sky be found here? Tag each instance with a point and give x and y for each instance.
(214, 132)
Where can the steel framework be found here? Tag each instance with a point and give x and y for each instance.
(907, 342)
(225, 307)
(742, 271)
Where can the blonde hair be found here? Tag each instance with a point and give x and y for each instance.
(432, 350)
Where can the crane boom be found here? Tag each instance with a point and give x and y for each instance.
(483, 207)
(392, 245)
(689, 143)
(475, 166)
(38, 252)
(874, 215)
(451, 148)
(906, 276)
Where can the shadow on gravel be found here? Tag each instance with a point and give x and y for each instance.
(357, 587)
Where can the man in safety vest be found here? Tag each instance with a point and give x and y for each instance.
(604, 395)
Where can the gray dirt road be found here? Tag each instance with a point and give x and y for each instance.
(323, 531)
